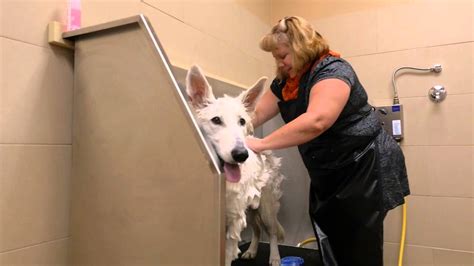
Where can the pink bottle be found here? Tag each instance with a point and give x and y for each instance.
(74, 15)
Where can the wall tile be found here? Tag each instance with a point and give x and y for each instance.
(36, 93)
(172, 8)
(219, 19)
(27, 20)
(34, 194)
(440, 170)
(208, 55)
(440, 222)
(420, 227)
(426, 256)
(52, 253)
(2, 84)
(237, 24)
(2, 8)
(322, 9)
(423, 24)
(348, 33)
(244, 68)
(213, 46)
(251, 29)
(214, 58)
(375, 71)
(180, 48)
(393, 224)
(417, 256)
(456, 61)
(100, 11)
(412, 256)
(471, 63)
(356, 22)
(390, 254)
(452, 220)
(444, 257)
(446, 123)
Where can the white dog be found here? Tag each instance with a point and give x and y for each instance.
(252, 180)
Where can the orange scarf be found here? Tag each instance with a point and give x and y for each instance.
(290, 91)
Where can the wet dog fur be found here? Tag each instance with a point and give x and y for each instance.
(252, 180)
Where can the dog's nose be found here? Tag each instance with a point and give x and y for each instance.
(240, 155)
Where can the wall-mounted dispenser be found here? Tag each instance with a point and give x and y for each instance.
(391, 118)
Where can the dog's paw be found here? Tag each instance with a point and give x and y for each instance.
(275, 261)
(248, 255)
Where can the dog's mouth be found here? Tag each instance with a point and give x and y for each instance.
(231, 171)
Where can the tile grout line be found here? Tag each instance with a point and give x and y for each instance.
(34, 245)
(35, 144)
(24, 42)
(435, 196)
(426, 145)
(451, 94)
(408, 49)
(415, 97)
(430, 247)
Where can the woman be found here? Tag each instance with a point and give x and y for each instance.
(357, 170)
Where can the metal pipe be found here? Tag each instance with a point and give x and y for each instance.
(436, 69)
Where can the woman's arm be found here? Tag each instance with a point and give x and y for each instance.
(266, 109)
(327, 100)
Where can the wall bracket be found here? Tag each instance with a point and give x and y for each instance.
(55, 36)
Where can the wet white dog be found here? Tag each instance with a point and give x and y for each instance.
(253, 180)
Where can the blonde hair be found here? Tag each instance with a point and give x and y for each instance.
(305, 43)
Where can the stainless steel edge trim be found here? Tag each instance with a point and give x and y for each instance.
(144, 22)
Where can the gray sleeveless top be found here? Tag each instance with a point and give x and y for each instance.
(356, 127)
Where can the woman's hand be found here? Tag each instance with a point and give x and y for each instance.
(255, 144)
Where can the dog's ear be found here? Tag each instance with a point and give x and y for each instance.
(197, 88)
(250, 97)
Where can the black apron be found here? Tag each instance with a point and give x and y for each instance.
(345, 195)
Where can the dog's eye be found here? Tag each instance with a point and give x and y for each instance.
(242, 121)
(216, 120)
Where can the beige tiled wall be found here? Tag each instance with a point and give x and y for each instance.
(35, 136)
(379, 36)
(36, 83)
(221, 36)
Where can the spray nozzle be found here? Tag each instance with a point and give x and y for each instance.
(436, 68)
